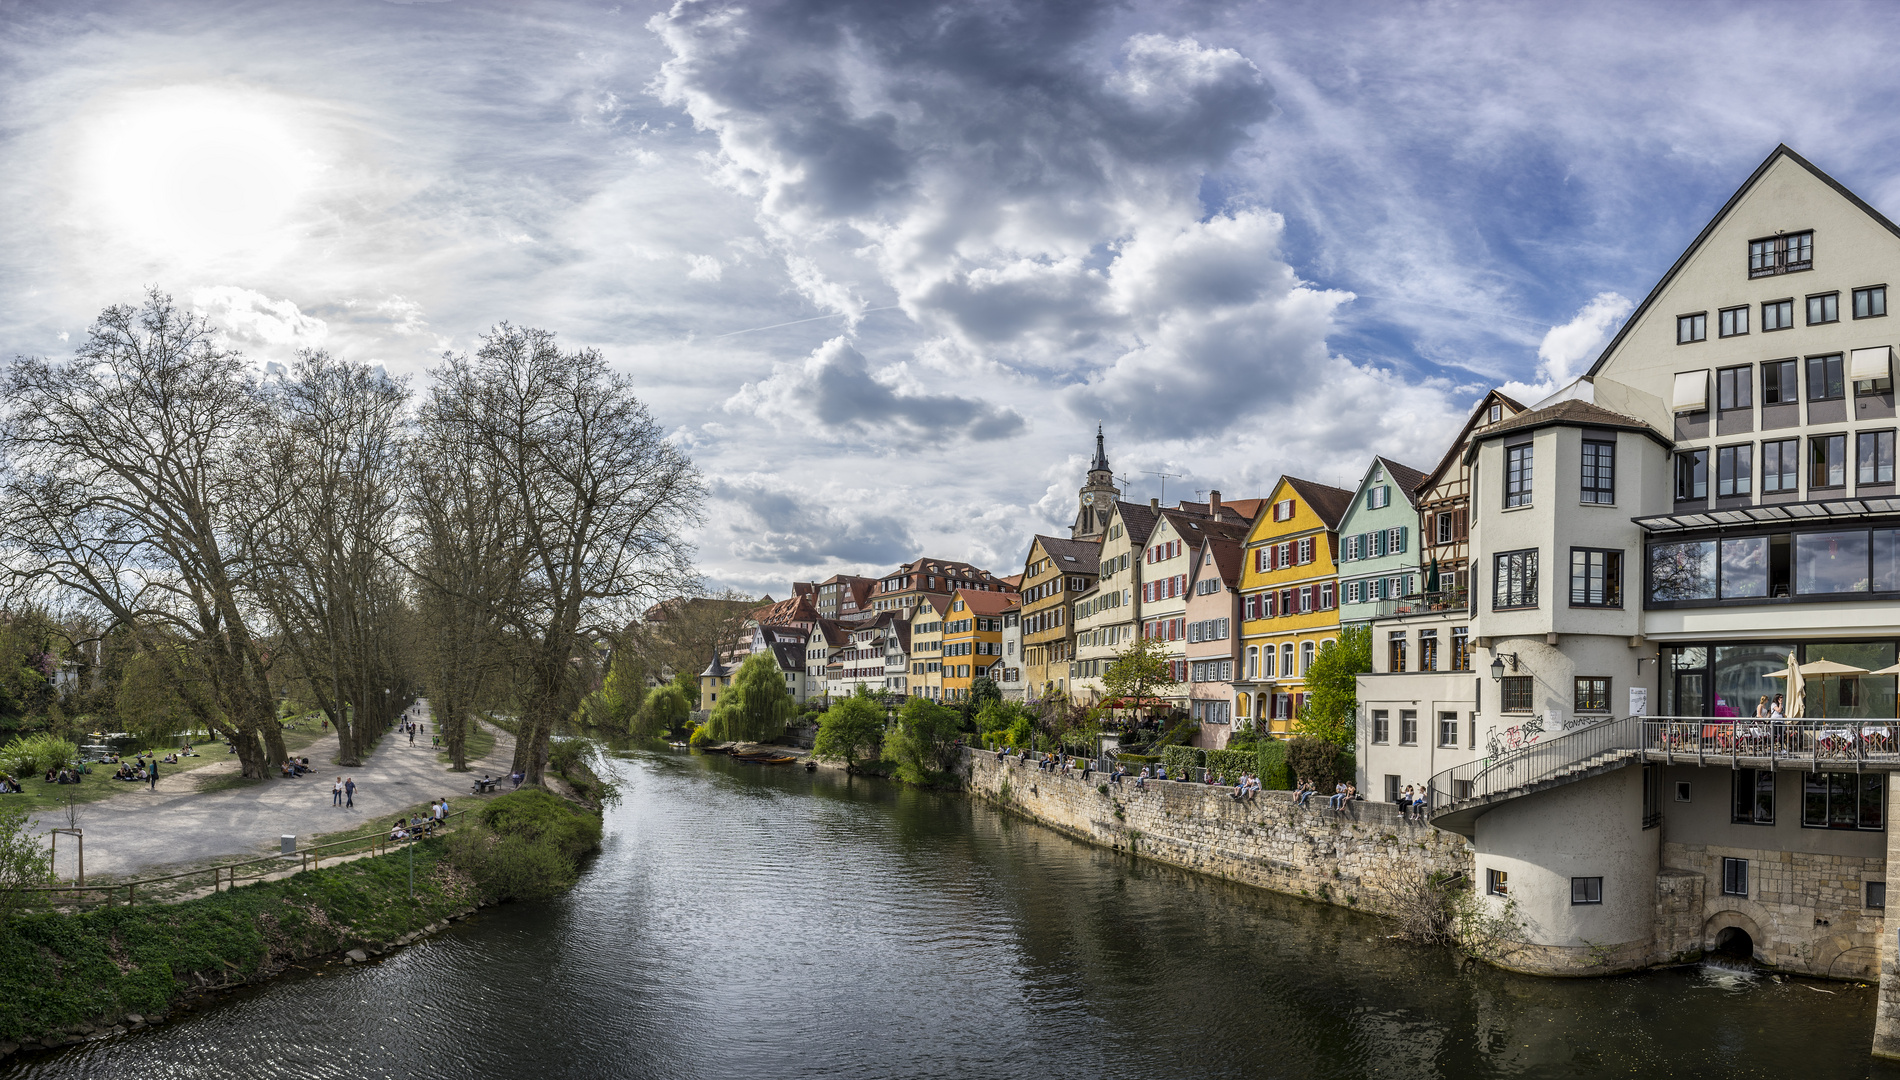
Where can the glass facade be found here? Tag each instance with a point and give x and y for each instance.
(1834, 562)
(1729, 681)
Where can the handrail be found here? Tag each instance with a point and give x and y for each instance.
(1530, 764)
(311, 859)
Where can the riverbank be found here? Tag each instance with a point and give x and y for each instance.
(67, 978)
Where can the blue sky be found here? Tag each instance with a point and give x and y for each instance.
(882, 267)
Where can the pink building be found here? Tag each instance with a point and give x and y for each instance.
(1213, 638)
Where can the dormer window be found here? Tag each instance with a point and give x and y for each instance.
(1781, 254)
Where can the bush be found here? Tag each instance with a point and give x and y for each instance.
(1230, 763)
(1182, 758)
(1270, 763)
(529, 848)
(31, 755)
(1314, 759)
(1136, 759)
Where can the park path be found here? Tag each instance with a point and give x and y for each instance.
(141, 829)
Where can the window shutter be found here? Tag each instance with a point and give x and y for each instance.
(1402, 531)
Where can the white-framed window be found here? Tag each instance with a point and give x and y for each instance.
(1283, 510)
(1395, 540)
(1306, 550)
(1378, 497)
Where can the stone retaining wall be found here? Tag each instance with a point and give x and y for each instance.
(1359, 858)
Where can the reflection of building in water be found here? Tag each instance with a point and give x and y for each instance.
(1713, 503)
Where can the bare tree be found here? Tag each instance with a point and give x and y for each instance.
(599, 498)
(122, 489)
(331, 469)
(684, 632)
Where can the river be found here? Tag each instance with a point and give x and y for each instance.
(753, 921)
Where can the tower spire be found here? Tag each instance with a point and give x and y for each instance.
(1101, 456)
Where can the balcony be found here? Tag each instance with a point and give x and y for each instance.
(1446, 601)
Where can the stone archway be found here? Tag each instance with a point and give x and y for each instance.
(1734, 932)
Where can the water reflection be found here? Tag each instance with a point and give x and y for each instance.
(751, 921)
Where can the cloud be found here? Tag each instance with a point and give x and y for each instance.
(251, 319)
(703, 268)
(833, 393)
(1582, 337)
(773, 521)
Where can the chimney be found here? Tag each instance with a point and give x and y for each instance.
(1213, 504)
(1155, 505)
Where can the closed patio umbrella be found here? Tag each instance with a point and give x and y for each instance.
(1796, 694)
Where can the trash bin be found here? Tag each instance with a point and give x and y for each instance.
(288, 843)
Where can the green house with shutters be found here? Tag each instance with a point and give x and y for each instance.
(1378, 543)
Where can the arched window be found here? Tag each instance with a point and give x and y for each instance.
(1253, 669)
(1287, 670)
(1266, 664)
(1307, 649)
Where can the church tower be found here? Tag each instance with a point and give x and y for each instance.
(1098, 496)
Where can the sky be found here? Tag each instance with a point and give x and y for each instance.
(881, 267)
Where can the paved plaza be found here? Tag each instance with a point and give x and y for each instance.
(141, 829)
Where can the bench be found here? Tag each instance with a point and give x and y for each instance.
(487, 784)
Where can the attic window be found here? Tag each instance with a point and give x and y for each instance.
(1068, 558)
(1194, 526)
(1781, 254)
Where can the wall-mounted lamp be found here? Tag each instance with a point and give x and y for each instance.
(1497, 664)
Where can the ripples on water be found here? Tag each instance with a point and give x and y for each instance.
(745, 921)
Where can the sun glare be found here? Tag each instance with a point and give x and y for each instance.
(195, 171)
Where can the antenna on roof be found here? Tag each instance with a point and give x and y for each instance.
(1165, 477)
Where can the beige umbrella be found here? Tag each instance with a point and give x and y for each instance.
(1797, 689)
(1820, 669)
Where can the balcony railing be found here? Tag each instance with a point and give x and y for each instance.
(1447, 600)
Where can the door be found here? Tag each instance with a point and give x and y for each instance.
(1692, 697)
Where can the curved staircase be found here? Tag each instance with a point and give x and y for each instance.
(1457, 796)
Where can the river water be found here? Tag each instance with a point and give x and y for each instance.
(753, 921)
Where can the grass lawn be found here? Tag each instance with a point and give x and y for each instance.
(480, 743)
(40, 795)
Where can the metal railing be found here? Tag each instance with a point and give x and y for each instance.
(1530, 764)
(1731, 740)
(1420, 604)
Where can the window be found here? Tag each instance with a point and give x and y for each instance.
(1734, 388)
(1460, 648)
(1596, 578)
(1692, 328)
(1514, 579)
(1307, 651)
(1682, 791)
(1692, 475)
(1779, 383)
(1734, 877)
(1514, 694)
(1825, 308)
(1286, 661)
(1378, 497)
(1395, 651)
(1843, 800)
(1780, 465)
(1408, 727)
(1733, 469)
(1283, 510)
(1599, 472)
(1592, 694)
(1734, 321)
(1825, 378)
(1517, 475)
(1876, 457)
(1447, 729)
(1871, 302)
(1754, 797)
(1781, 254)
(1497, 882)
(1428, 649)
(1495, 414)
(1777, 315)
(1827, 461)
(1586, 890)
(1876, 894)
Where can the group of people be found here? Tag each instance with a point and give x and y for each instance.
(421, 825)
(295, 767)
(343, 792)
(1412, 802)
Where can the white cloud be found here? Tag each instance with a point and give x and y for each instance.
(1582, 338)
(833, 395)
(703, 268)
(251, 319)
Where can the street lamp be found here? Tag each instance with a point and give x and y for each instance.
(1497, 664)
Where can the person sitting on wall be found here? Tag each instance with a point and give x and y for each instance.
(1240, 789)
(397, 832)
(1418, 803)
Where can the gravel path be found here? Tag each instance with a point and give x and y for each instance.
(141, 829)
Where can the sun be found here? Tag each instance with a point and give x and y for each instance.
(194, 171)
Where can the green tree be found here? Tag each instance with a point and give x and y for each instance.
(25, 860)
(850, 731)
(621, 694)
(1332, 687)
(664, 710)
(923, 741)
(1140, 671)
(148, 701)
(756, 706)
(688, 683)
(983, 693)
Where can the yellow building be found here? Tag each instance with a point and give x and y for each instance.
(1056, 571)
(1289, 600)
(926, 646)
(972, 640)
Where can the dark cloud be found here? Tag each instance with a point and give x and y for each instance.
(832, 392)
(771, 521)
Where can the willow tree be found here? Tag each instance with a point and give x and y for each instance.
(756, 707)
(597, 503)
(125, 487)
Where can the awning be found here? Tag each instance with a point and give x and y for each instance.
(1692, 391)
(1866, 365)
(1776, 514)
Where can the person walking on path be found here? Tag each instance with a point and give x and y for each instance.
(336, 792)
(412, 735)
(154, 773)
(349, 792)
